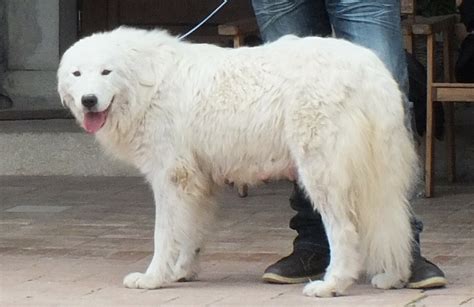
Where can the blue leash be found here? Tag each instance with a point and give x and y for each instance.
(224, 2)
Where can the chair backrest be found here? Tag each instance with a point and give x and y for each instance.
(407, 13)
(408, 7)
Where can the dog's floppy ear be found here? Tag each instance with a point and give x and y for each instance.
(145, 70)
(146, 74)
(64, 97)
(61, 87)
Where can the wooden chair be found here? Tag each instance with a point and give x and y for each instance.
(448, 93)
(436, 92)
(238, 30)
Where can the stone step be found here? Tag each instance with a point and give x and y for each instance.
(54, 147)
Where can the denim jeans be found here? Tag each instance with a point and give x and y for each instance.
(372, 24)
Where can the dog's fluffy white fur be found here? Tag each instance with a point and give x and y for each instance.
(322, 111)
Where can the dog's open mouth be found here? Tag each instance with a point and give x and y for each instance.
(93, 121)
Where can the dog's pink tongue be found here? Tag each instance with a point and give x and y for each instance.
(93, 121)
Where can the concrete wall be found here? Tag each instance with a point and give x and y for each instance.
(3, 40)
(5, 101)
(33, 34)
(38, 32)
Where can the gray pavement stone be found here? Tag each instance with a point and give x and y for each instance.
(38, 209)
(79, 256)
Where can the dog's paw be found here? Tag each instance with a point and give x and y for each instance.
(188, 277)
(141, 281)
(320, 288)
(387, 281)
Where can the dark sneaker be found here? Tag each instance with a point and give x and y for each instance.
(425, 275)
(299, 267)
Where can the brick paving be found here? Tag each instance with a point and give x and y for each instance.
(68, 241)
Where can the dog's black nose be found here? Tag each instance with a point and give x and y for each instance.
(89, 101)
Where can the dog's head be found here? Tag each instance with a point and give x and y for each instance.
(101, 77)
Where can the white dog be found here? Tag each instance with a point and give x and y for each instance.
(190, 117)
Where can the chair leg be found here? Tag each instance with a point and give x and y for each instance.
(238, 40)
(243, 190)
(449, 107)
(409, 43)
(450, 141)
(429, 148)
(430, 118)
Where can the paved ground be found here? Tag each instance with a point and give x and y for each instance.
(70, 240)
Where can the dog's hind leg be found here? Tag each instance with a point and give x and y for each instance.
(321, 152)
(329, 199)
(325, 179)
(184, 211)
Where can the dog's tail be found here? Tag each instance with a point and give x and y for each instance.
(384, 210)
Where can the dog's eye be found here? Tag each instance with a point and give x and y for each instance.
(105, 72)
(77, 73)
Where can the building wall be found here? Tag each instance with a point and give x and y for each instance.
(3, 40)
(33, 34)
(37, 32)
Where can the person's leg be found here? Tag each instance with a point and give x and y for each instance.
(376, 25)
(307, 222)
(277, 18)
(424, 273)
(310, 255)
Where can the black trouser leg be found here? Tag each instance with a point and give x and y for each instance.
(311, 233)
(307, 222)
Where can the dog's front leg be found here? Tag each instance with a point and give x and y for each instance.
(181, 218)
(159, 271)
